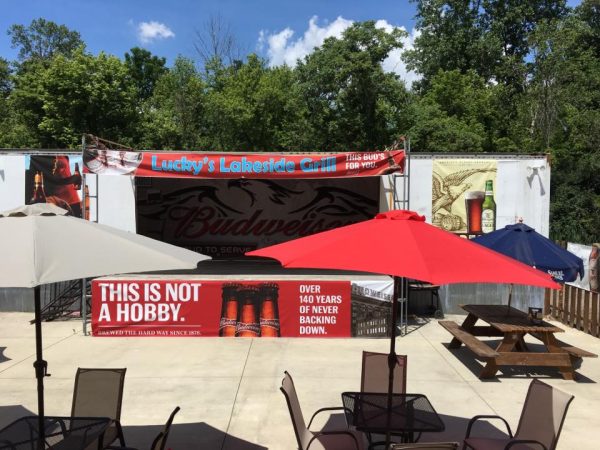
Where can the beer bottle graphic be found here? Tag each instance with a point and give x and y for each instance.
(77, 175)
(86, 212)
(488, 209)
(269, 310)
(39, 196)
(247, 324)
(229, 310)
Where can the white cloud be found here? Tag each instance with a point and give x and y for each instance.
(281, 48)
(148, 32)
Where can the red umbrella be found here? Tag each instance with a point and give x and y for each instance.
(401, 244)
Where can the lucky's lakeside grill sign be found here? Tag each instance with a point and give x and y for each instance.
(237, 165)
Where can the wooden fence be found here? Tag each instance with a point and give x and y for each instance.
(575, 307)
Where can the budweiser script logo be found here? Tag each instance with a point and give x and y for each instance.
(252, 327)
(272, 323)
(254, 208)
(194, 222)
(227, 323)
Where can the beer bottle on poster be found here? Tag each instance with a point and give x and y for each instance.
(269, 310)
(488, 209)
(229, 310)
(39, 196)
(86, 212)
(77, 177)
(247, 324)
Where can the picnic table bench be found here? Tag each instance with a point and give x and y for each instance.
(512, 325)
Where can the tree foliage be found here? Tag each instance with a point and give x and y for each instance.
(352, 103)
(42, 39)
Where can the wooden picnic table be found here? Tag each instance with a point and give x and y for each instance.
(512, 325)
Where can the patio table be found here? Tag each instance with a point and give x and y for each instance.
(410, 414)
(61, 433)
(512, 325)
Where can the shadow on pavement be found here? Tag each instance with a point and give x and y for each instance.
(3, 358)
(471, 362)
(10, 413)
(186, 436)
(456, 428)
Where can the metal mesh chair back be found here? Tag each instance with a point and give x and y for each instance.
(375, 373)
(98, 393)
(303, 436)
(161, 440)
(543, 414)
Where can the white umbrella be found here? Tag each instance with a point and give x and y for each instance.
(40, 245)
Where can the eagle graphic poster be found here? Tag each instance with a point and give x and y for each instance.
(454, 182)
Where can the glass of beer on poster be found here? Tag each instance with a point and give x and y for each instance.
(473, 202)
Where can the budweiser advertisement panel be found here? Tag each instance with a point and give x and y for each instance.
(192, 307)
(146, 307)
(226, 218)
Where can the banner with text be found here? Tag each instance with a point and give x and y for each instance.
(238, 165)
(135, 307)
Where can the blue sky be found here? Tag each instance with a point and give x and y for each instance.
(279, 30)
(113, 25)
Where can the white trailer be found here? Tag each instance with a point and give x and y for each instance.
(521, 191)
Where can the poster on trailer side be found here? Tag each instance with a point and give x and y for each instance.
(242, 165)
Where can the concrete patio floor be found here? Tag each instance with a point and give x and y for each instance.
(228, 389)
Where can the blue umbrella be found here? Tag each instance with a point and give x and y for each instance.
(523, 243)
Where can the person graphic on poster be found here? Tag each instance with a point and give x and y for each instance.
(49, 179)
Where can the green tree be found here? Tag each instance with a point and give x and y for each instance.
(564, 99)
(145, 69)
(488, 36)
(83, 94)
(4, 78)
(255, 108)
(174, 114)
(42, 39)
(451, 38)
(352, 103)
(25, 106)
(455, 115)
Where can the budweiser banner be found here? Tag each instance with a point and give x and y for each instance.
(226, 218)
(238, 165)
(153, 307)
(461, 190)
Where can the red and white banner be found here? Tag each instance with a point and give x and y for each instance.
(243, 165)
(147, 307)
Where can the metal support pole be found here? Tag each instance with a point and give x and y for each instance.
(84, 305)
(41, 366)
(391, 361)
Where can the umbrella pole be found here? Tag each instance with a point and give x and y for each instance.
(510, 289)
(40, 365)
(392, 359)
